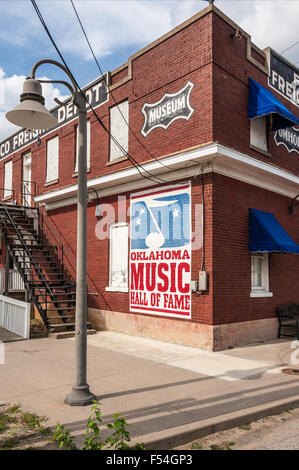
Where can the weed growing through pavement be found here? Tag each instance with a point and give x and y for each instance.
(223, 446)
(245, 427)
(118, 439)
(17, 426)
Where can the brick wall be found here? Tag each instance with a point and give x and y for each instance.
(205, 54)
(231, 259)
(98, 251)
(202, 52)
(231, 72)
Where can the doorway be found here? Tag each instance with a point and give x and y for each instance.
(26, 183)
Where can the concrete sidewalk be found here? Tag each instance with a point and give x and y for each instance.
(6, 336)
(169, 394)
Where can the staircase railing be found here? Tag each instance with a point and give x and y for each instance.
(26, 192)
(27, 263)
(11, 196)
(64, 250)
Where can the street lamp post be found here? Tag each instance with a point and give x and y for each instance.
(32, 114)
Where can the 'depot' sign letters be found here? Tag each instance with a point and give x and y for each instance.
(160, 252)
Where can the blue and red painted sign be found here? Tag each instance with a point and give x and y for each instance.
(160, 254)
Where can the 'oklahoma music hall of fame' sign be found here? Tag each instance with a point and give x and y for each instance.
(171, 107)
(96, 93)
(160, 252)
(282, 76)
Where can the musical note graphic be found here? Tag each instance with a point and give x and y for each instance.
(160, 221)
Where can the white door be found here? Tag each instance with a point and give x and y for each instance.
(26, 184)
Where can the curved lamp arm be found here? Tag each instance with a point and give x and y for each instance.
(63, 83)
(95, 191)
(77, 99)
(292, 205)
(53, 62)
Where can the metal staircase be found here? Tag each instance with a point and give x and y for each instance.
(40, 263)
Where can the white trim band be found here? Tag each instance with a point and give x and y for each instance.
(222, 160)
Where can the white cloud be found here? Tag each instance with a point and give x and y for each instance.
(113, 24)
(270, 23)
(109, 24)
(10, 90)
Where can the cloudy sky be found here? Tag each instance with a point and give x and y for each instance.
(116, 29)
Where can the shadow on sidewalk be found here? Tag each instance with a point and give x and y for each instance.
(172, 414)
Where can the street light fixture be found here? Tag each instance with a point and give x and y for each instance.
(31, 113)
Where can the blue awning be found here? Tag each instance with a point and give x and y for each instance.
(263, 102)
(267, 235)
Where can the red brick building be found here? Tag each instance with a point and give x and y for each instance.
(185, 97)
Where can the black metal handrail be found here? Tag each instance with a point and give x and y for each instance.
(26, 192)
(26, 267)
(25, 248)
(12, 191)
(65, 248)
(43, 222)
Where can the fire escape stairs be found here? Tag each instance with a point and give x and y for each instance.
(46, 279)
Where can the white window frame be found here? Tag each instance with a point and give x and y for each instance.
(119, 130)
(263, 289)
(259, 133)
(8, 180)
(49, 177)
(112, 288)
(87, 147)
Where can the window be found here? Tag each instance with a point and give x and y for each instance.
(87, 147)
(7, 179)
(52, 159)
(260, 275)
(258, 133)
(118, 261)
(119, 117)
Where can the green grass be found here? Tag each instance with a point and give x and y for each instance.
(14, 409)
(5, 421)
(15, 425)
(32, 421)
(245, 427)
(196, 446)
(223, 446)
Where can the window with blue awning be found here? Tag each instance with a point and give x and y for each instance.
(267, 235)
(262, 102)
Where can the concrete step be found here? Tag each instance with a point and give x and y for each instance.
(61, 317)
(59, 325)
(69, 334)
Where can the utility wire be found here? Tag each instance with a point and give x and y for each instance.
(290, 47)
(132, 160)
(101, 72)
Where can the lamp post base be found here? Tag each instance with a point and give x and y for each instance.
(80, 396)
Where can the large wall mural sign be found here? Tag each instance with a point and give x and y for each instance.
(160, 252)
(171, 107)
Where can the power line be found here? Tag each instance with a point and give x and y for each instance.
(290, 47)
(132, 160)
(100, 69)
